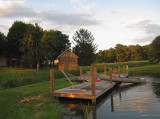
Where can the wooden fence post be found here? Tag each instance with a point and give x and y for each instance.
(52, 80)
(93, 83)
(124, 70)
(127, 69)
(119, 73)
(112, 103)
(81, 71)
(110, 72)
(105, 70)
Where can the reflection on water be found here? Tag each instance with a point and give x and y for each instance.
(126, 101)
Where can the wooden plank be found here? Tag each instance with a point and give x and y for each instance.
(106, 89)
(52, 80)
(71, 95)
(123, 70)
(122, 80)
(93, 80)
(127, 69)
(119, 71)
(105, 70)
(110, 72)
(81, 71)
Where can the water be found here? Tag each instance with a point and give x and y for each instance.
(127, 101)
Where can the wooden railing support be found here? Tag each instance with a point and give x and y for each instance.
(110, 73)
(119, 72)
(124, 70)
(81, 71)
(105, 70)
(127, 69)
(52, 80)
(93, 70)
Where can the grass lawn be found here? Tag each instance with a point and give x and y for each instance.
(31, 101)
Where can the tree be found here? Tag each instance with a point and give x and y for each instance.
(100, 56)
(111, 55)
(15, 36)
(122, 53)
(56, 42)
(148, 51)
(84, 47)
(33, 43)
(2, 44)
(156, 47)
(136, 52)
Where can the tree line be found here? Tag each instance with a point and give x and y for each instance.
(123, 53)
(29, 45)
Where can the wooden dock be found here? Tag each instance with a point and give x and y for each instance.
(88, 90)
(123, 80)
(84, 90)
(94, 88)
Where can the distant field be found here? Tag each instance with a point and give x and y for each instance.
(10, 78)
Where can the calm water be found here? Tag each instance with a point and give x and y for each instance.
(127, 101)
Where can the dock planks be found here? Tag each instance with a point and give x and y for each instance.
(84, 90)
(124, 80)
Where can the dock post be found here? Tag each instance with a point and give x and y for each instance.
(112, 103)
(93, 83)
(81, 71)
(119, 71)
(124, 70)
(105, 70)
(52, 80)
(110, 72)
(127, 69)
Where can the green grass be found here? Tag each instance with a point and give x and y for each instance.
(14, 78)
(11, 108)
(10, 78)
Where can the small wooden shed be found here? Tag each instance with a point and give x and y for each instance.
(68, 60)
(3, 60)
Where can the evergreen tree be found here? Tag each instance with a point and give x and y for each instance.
(85, 49)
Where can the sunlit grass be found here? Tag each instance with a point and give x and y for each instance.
(12, 106)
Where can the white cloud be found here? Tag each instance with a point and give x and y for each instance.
(148, 29)
(15, 9)
(82, 6)
(4, 29)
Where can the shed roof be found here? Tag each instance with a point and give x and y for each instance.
(65, 52)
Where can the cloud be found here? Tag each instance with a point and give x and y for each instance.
(4, 28)
(21, 10)
(74, 19)
(148, 29)
(83, 7)
(15, 9)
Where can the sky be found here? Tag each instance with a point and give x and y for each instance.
(111, 22)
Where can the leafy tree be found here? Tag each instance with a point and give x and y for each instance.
(84, 48)
(33, 43)
(122, 53)
(56, 42)
(136, 52)
(148, 51)
(111, 55)
(100, 56)
(2, 44)
(15, 36)
(156, 47)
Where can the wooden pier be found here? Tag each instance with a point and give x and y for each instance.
(88, 90)
(123, 80)
(94, 88)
